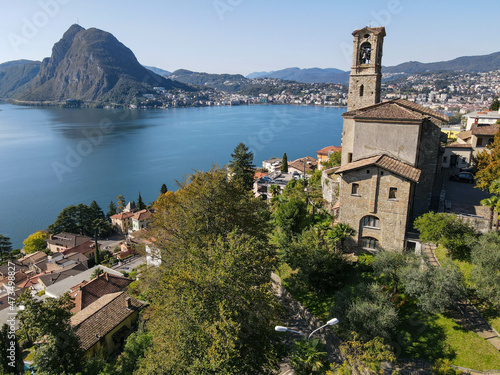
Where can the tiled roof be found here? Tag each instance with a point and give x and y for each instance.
(465, 135)
(32, 258)
(142, 215)
(258, 175)
(83, 248)
(485, 129)
(122, 216)
(68, 240)
(398, 109)
(376, 30)
(459, 145)
(386, 162)
(308, 163)
(52, 278)
(88, 292)
(327, 150)
(102, 316)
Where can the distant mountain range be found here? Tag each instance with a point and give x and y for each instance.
(221, 82)
(161, 72)
(89, 65)
(482, 63)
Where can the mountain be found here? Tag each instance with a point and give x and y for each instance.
(310, 75)
(160, 72)
(14, 75)
(92, 65)
(221, 82)
(482, 63)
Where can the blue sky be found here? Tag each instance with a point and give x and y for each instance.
(243, 36)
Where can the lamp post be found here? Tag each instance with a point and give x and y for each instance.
(286, 329)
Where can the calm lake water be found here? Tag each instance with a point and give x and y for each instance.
(51, 158)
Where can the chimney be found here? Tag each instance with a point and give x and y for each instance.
(128, 303)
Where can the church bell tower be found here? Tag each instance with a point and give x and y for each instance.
(366, 72)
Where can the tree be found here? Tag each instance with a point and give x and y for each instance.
(284, 164)
(493, 203)
(340, 233)
(366, 310)
(120, 205)
(485, 258)
(95, 211)
(35, 242)
(333, 160)
(111, 209)
(308, 357)
(140, 203)
(495, 105)
(275, 190)
(163, 189)
(98, 271)
(435, 288)
(5, 246)
(212, 306)
(48, 321)
(290, 215)
(387, 265)
(242, 167)
(447, 230)
(360, 357)
(133, 352)
(11, 360)
(81, 219)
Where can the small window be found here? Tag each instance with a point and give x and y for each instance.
(393, 193)
(367, 171)
(369, 243)
(349, 157)
(355, 189)
(381, 173)
(361, 90)
(445, 159)
(479, 142)
(370, 221)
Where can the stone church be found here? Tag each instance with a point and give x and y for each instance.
(391, 156)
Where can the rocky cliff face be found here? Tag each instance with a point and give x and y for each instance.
(92, 65)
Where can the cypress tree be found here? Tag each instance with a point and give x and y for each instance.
(163, 189)
(284, 164)
(140, 203)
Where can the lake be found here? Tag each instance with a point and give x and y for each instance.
(51, 158)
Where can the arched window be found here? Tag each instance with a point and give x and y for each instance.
(370, 222)
(369, 243)
(365, 53)
(361, 90)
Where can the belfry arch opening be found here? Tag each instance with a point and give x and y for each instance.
(365, 53)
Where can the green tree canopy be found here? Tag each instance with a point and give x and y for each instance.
(140, 203)
(212, 306)
(35, 242)
(242, 167)
(447, 230)
(333, 160)
(495, 105)
(120, 203)
(488, 164)
(485, 257)
(111, 209)
(11, 360)
(163, 189)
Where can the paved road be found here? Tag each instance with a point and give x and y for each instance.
(111, 242)
(130, 263)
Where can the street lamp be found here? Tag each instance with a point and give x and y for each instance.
(285, 329)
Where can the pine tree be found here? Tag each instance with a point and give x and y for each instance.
(163, 189)
(495, 105)
(5, 246)
(140, 203)
(284, 164)
(242, 166)
(112, 209)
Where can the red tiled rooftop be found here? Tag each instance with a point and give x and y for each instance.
(327, 150)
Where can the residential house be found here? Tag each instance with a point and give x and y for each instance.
(106, 323)
(63, 241)
(86, 248)
(125, 251)
(87, 292)
(324, 154)
(262, 186)
(457, 155)
(122, 222)
(478, 137)
(31, 259)
(272, 164)
(141, 219)
(306, 165)
(483, 117)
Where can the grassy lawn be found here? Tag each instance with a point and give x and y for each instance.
(419, 335)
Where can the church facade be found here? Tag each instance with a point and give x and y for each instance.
(391, 155)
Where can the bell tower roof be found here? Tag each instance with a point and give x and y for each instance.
(372, 30)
